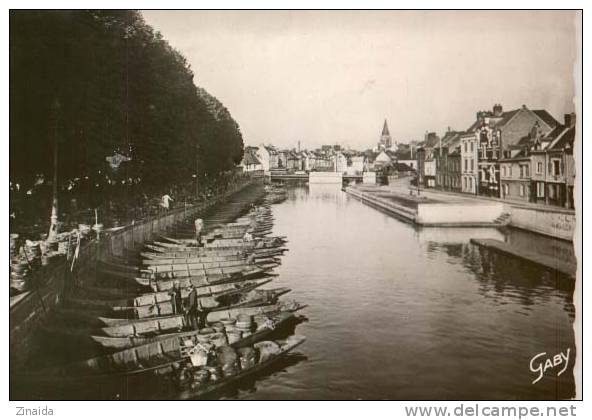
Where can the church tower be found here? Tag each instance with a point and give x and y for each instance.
(386, 142)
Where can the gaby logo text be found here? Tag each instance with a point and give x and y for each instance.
(539, 364)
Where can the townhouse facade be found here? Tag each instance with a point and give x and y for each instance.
(469, 161)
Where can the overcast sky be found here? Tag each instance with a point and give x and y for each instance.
(334, 76)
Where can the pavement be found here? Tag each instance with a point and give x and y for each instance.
(402, 186)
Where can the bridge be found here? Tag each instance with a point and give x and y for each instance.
(316, 177)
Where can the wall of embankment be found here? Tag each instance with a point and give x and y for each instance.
(553, 222)
(33, 307)
(556, 223)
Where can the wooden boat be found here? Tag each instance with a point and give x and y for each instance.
(286, 346)
(141, 359)
(160, 297)
(234, 300)
(182, 266)
(118, 327)
(163, 261)
(197, 252)
(210, 276)
(161, 285)
(127, 290)
(120, 343)
(167, 253)
(147, 257)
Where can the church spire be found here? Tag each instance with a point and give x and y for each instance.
(385, 130)
(385, 138)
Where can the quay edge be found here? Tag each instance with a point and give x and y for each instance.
(555, 223)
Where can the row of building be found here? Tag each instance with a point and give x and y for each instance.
(331, 158)
(520, 155)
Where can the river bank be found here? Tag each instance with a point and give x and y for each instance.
(52, 283)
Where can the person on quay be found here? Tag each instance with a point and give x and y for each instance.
(166, 201)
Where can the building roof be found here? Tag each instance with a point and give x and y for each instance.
(402, 167)
(383, 157)
(564, 140)
(250, 158)
(432, 140)
(546, 117)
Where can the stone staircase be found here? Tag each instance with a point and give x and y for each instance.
(503, 219)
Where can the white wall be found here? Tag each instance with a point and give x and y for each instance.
(369, 178)
(458, 213)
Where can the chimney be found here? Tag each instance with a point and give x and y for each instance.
(570, 120)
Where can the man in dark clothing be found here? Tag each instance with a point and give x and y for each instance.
(176, 299)
(193, 309)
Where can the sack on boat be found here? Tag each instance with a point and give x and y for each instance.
(267, 349)
(215, 373)
(234, 336)
(247, 357)
(230, 369)
(266, 324)
(200, 377)
(209, 302)
(218, 339)
(226, 355)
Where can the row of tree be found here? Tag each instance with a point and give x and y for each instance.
(101, 84)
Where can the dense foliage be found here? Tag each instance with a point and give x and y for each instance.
(102, 82)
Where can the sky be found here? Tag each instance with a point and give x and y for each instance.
(332, 77)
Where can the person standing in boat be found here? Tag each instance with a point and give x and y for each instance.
(176, 299)
(198, 229)
(194, 309)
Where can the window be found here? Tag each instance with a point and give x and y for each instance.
(521, 190)
(466, 164)
(521, 172)
(510, 170)
(506, 190)
(556, 168)
(464, 183)
(465, 147)
(470, 184)
(527, 170)
(471, 146)
(540, 189)
(504, 170)
(539, 167)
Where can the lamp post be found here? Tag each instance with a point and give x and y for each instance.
(197, 172)
(53, 226)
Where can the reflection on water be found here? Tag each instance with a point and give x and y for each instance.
(397, 312)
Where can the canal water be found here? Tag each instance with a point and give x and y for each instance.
(397, 312)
